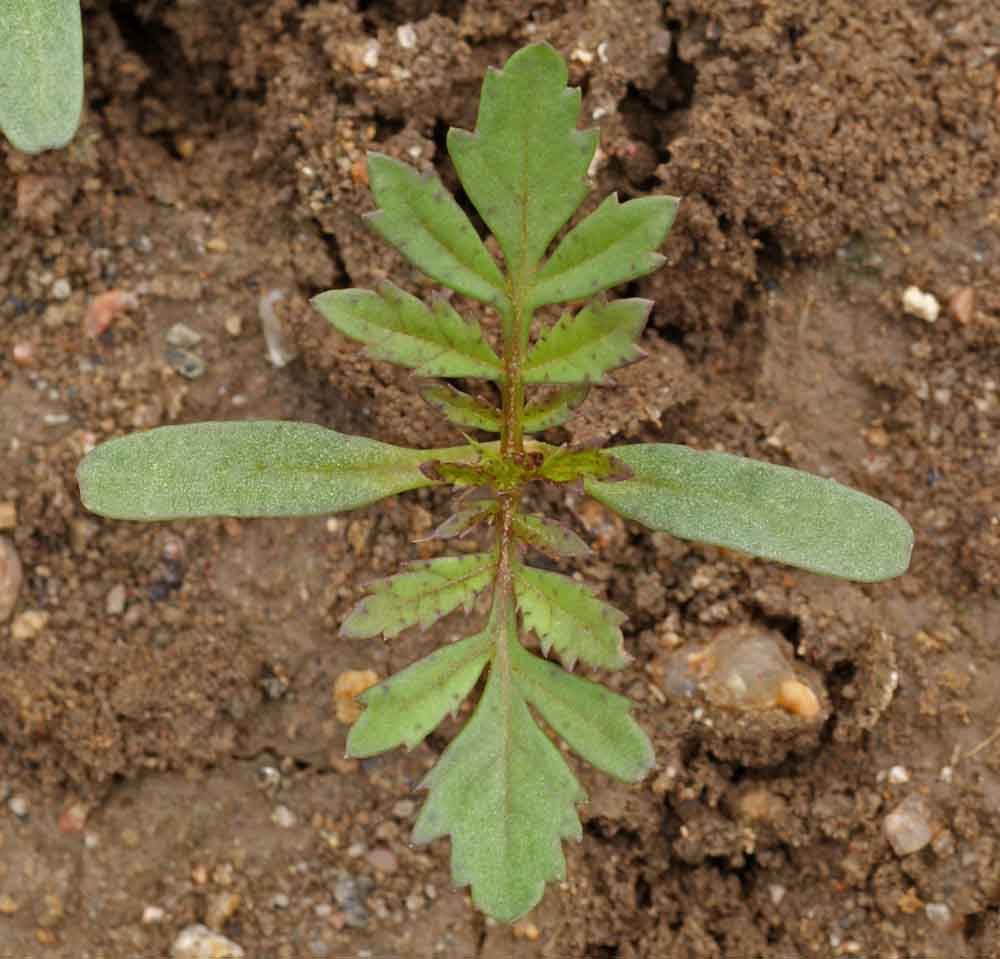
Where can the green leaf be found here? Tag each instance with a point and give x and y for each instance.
(41, 72)
(765, 510)
(525, 166)
(428, 591)
(564, 465)
(419, 217)
(594, 721)
(582, 348)
(566, 616)
(616, 243)
(548, 536)
(460, 408)
(555, 408)
(464, 519)
(404, 709)
(255, 468)
(397, 327)
(505, 795)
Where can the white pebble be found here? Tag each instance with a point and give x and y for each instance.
(115, 602)
(777, 893)
(922, 305)
(180, 334)
(899, 774)
(406, 36)
(18, 805)
(938, 912)
(61, 289)
(152, 914)
(370, 56)
(283, 817)
(11, 577)
(277, 351)
(200, 942)
(908, 826)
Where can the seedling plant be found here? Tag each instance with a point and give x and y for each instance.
(502, 790)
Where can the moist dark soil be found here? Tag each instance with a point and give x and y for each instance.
(170, 748)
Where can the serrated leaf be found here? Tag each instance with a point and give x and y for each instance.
(613, 245)
(404, 709)
(525, 167)
(506, 797)
(555, 408)
(567, 617)
(255, 468)
(548, 536)
(461, 408)
(594, 721)
(399, 328)
(769, 511)
(419, 217)
(429, 590)
(41, 72)
(582, 348)
(567, 466)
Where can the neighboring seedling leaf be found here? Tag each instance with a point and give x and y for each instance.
(41, 72)
(582, 348)
(765, 510)
(463, 410)
(398, 328)
(525, 166)
(616, 243)
(555, 408)
(464, 519)
(419, 217)
(506, 797)
(567, 466)
(256, 468)
(426, 592)
(566, 616)
(548, 536)
(594, 721)
(404, 709)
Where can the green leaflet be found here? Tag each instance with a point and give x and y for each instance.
(255, 468)
(555, 408)
(426, 592)
(549, 536)
(525, 166)
(398, 328)
(465, 518)
(613, 245)
(566, 616)
(460, 408)
(594, 721)
(505, 795)
(404, 709)
(758, 508)
(564, 465)
(582, 348)
(419, 217)
(41, 72)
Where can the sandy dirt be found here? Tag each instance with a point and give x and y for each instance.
(170, 751)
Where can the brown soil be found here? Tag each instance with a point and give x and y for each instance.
(830, 154)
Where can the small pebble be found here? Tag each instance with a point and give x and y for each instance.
(404, 808)
(234, 324)
(103, 309)
(28, 624)
(18, 805)
(350, 894)
(962, 305)
(200, 942)
(221, 908)
(899, 775)
(283, 817)
(73, 818)
(922, 305)
(382, 859)
(414, 902)
(152, 914)
(61, 289)
(909, 826)
(115, 602)
(777, 893)
(406, 36)
(11, 577)
(346, 688)
(23, 354)
(8, 905)
(8, 514)
(189, 365)
(278, 351)
(938, 912)
(180, 334)
(280, 901)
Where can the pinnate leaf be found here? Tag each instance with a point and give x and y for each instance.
(419, 217)
(616, 243)
(404, 709)
(399, 328)
(525, 166)
(759, 508)
(582, 348)
(428, 590)
(555, 408)
(41, 72)
(461, 408)
(505, 795)
(549, 536)
(566, 616)
(595, 722)
(255, 468)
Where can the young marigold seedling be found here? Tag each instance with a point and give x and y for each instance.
(502, 790)
(41, 72)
